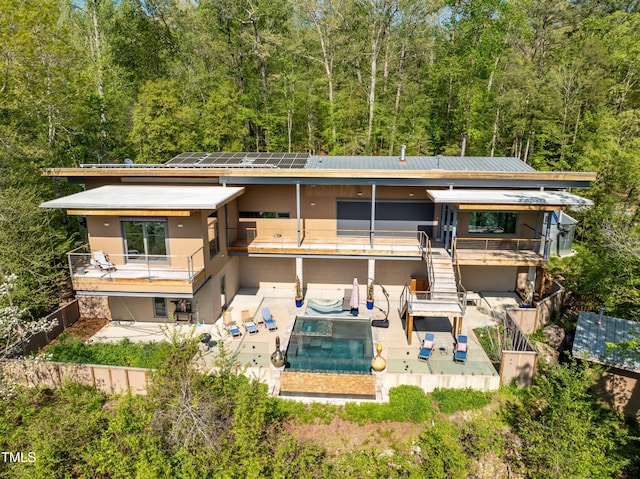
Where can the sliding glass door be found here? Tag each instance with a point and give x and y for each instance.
(145, 240)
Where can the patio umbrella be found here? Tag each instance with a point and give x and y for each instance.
(355, 298)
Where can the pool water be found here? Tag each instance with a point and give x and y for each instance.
(330, 345)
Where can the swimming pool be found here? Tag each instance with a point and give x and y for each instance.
(330, 345)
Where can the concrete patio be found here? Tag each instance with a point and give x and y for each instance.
(403, 367)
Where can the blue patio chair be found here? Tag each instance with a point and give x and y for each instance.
(234, 330)
(268, 320)
(251, 327)
(461, 349)
(427, 346)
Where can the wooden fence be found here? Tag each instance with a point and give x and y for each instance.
(110, 379)
(66, 316)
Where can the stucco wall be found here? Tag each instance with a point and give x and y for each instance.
(489, 278)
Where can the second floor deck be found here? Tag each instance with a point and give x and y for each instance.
(135, 272)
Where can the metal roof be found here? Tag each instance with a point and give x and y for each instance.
(147, 197)
(304, 160)
(591, 338)
(446, 163)
(507, 197)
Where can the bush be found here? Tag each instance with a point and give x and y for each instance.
(453, 400)
(124, 353)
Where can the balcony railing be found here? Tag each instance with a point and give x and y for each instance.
(498, 249)
(136, 266)
(283, 240)
(433, 302)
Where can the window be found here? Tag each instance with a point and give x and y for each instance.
(159, 307)
(494, 222)
(145, 240)
(263, 214)
(212, 233)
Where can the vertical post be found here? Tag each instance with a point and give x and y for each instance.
(440, 222)
(547, 235)
(298, 211)
(373, 214)
(454, 226)
(371, 269)
(299, 271)
(446, 225)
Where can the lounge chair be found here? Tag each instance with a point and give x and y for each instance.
(230, 325)
(461, 349)
(268, 320)
(101, 260)
(427, 346)
(234, 330)
(251, 327)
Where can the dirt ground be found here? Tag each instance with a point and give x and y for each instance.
(84, 328)
(340, 435)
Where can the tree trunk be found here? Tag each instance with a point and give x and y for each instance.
(97, 44)
(396, 105)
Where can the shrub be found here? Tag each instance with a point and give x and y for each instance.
(124, 353)
(453, 400)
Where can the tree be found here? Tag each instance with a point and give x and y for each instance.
(15, 329)
(564, 432)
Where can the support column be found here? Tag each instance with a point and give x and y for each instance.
(298, 211)
(547, 235)
(373, 215)
(531, 284)
(454, 227)
(447, 227)
(299, 271)
(371, 268)
(440, 230)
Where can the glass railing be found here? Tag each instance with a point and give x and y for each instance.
(83, 262)
(310, 239)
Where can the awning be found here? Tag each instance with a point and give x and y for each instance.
(145, 198)
(466, 199)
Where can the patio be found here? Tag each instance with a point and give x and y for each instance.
(403, 367)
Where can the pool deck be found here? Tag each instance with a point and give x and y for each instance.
(403, 367)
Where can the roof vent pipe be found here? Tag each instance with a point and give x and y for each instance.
(403, 151)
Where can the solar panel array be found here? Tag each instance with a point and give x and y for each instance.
(240, 160)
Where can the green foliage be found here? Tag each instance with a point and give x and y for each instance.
(443, 455)
(57, 426)
(123, 353)
(453, 400)
(564, 432)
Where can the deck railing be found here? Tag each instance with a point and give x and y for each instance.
(408, 297)
(144, 266)
(490, 245)
(393, 241)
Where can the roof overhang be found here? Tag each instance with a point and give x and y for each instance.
(147, 199)
(467, 199)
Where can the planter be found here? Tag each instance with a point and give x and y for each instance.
(369, 304)
(299, 302)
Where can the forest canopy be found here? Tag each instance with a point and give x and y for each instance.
(554, 83)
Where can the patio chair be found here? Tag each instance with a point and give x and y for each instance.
(268, 320)
(230, 325)
(101, 260)
(251, 327)
(460, 354)
(427, 347)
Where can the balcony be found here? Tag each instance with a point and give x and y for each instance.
(328, 242)
(137, 272)
(499, 251)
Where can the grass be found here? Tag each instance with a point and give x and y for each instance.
(123, 353)
(454, 400)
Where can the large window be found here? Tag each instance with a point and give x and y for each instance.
(492, 222)
(145, 240)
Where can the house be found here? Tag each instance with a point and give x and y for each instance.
(619, 384)
(200, 226)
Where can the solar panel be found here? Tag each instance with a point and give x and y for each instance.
(241, 160)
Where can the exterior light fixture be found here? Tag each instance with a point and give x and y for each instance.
(180, 225)
(312, 203)
(106, 224)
